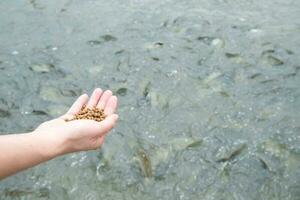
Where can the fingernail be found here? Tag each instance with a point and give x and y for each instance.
(108, 91)
(99, 89)
(117, 117)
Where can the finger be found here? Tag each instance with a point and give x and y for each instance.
(94, 98)
(77, 105)
(111, 105)
(104, 98)
(107, 124)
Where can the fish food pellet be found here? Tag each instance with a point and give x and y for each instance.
(90, 113)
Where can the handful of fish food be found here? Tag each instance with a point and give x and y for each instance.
(96, 114)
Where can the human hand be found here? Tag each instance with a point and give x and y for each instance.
(60, 137)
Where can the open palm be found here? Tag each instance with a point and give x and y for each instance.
(80, 135)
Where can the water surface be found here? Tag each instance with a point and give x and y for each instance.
(208, 90)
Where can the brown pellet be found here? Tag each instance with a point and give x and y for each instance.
(90, 113)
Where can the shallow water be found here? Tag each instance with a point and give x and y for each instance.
(209, 96)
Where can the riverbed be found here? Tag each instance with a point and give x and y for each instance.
(209, 96)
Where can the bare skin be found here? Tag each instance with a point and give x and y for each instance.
(57, 137)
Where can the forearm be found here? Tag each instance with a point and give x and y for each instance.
(57, 137)
(21, 151)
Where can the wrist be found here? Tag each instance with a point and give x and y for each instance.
(48, 147)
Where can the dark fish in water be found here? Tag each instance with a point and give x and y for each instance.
(253, 76)
(26, 192)
(36, 5)
(119, 52)
(224, 94)
(154, 45)
(232, 153)
(147, 89)
(122, 91)
(4, 113)
(158, 44)
(70, 92)
(145, 163)
(205, 39)
(94, 42)
(108, 38)
(42, 68)
(266, 163)
(194, 144)
(269, 58)
(155, 58)
(274, 61)
(268, 51)
(39, 112)
(232, 55)
(102, 39)
(263, 163)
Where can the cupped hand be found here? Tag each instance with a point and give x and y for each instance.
(80, 135)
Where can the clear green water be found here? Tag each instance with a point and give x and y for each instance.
(209, 96)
